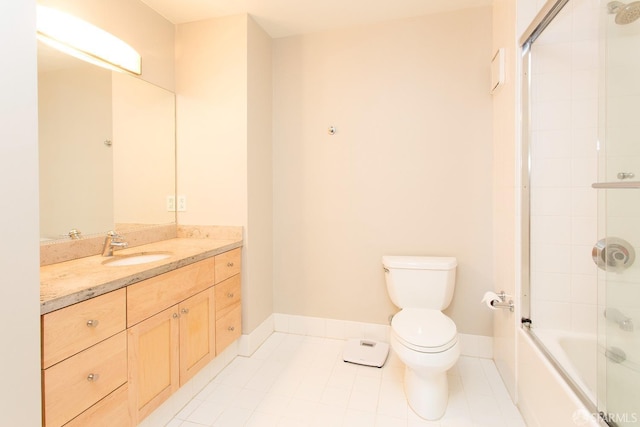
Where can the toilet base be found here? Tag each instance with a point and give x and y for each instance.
(428, 395)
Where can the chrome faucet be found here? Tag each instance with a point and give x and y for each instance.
(613, 314)
(113, 240)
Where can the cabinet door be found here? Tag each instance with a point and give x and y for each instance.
(111, 411)
(227, 294)
(153, 361)
(197, 333)
(227, 264)
(76, 383)
(72, 329)
(228, 326)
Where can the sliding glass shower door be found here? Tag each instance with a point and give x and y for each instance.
(618, 191)
(581, 200)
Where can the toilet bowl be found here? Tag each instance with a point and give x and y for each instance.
(427, 359)
(424, 338)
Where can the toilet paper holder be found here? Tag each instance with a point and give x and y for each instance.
(502, 302)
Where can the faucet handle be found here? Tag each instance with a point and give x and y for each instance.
(624, 322)
(113, 235)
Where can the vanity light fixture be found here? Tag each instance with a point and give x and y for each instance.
(85, 41)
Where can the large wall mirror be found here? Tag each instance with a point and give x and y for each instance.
(107, 149)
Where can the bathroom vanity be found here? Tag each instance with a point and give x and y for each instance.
(118, 340)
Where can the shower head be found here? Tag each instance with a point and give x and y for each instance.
(625, 13)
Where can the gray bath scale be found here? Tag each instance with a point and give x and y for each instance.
(365, 352)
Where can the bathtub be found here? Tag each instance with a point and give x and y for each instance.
(577, 354)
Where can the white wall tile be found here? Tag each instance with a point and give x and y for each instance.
(584, 289)
(551, 286)
(584, 318)
(551, 143)
(551, 229)
(552, 172)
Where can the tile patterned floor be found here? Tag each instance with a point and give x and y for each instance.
(294, 381)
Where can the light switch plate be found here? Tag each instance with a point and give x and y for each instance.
(182, 203)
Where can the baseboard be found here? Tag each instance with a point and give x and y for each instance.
(470, 345)
(249, 343)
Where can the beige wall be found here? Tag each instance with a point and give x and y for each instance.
(19, 252)
(407, 173)
(223, 69)
(259, 230)
(506, 218)
(135, 23)
(211, 104)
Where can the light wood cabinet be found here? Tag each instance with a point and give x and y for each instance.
(174, 320)
(84, 356)
(72, 329)
(197, 333)
(228, 327)
(75, 384)
(228, 312)
(153, 361)
(113, 359)
(151, 296)
(227, 293)
(111, 411)
(227, 264)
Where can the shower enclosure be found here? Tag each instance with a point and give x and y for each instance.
(581, 199)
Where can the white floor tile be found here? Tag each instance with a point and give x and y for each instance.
(295, 380)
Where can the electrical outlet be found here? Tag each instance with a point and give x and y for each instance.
(182, 203)
(171, 203)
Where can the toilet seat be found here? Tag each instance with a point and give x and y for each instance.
(424, 330)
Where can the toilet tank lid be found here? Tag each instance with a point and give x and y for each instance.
(419, 262)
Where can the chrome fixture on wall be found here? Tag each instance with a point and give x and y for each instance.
(613, 254)
(625, 13)
(613, 314)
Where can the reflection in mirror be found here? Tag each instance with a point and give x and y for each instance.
(107, 149)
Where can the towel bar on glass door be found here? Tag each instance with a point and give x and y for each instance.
(613, 185)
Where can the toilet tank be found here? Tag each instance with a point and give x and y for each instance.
(420, 282)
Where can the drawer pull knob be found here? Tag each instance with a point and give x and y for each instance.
(184, 311)
(231, 328)
(92, 378)
(92, 323)
(230, 264)
(175, 315)
(230, 295)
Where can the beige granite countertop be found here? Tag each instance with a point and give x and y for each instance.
(69, 282)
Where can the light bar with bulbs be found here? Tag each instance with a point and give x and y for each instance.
(85, 41)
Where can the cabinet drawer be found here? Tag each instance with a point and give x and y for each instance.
(228, 327)
(111, 411)
(227, 294)
(67, 331)
(76, 383)
(151, 296)
(228, 264)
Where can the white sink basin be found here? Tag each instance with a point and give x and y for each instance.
(135, 259)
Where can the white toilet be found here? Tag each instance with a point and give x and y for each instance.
(421, 335)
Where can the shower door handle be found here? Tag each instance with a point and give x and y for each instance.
(616, 185)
